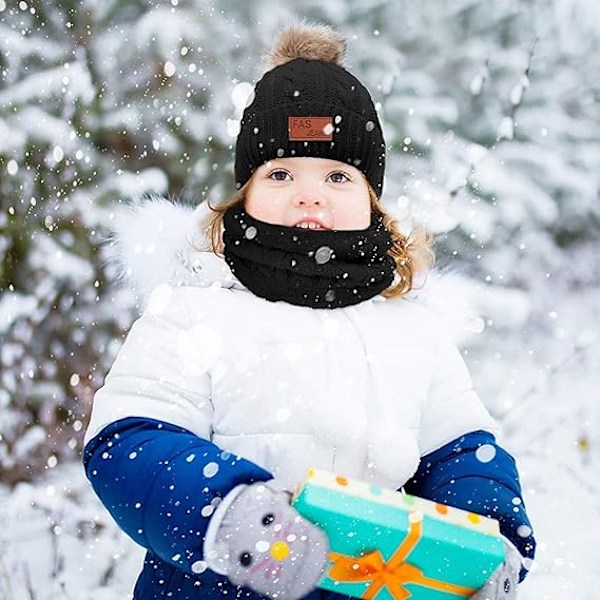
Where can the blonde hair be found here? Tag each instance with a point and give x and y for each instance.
(412, 254)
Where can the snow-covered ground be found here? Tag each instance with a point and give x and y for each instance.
(58, 542)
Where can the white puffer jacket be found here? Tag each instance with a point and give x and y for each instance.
(364, 390)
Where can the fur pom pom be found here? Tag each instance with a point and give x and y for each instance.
(311, 42)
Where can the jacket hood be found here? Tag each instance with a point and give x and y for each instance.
(156, 242)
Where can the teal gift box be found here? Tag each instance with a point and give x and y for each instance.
(390, 545)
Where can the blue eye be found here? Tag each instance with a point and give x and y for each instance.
(279, 175)
(338, 177)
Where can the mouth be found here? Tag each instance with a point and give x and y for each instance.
(312, 224)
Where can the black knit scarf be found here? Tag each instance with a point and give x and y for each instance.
(320, 269)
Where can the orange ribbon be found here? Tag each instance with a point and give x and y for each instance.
(393, 575)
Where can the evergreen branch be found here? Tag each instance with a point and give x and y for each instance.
(582, 480)
(526, 398)
(516, 98)
(28, 583)
(5, 580)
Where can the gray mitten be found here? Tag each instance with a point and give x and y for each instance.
(502, 585)
(259, 541)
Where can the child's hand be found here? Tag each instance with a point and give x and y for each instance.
(503, 583)
(263, 543)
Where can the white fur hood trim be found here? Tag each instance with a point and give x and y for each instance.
(158, 242)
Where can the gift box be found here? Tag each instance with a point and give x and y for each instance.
(391, 545)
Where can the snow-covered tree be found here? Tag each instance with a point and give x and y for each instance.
(99, 102)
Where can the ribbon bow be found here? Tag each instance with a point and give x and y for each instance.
(393, 575)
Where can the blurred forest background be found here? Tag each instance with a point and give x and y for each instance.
(492, 117)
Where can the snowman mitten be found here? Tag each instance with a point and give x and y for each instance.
(259, 541)
(502, 585)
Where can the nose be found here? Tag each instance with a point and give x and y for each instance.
(308, 200)
(280, 550)
(310, 195)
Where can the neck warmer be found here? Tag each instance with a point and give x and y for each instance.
(319, 269)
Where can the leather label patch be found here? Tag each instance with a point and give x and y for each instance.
(310, 129)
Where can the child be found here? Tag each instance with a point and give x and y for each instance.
(290, 345)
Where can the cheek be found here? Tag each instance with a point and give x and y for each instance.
(352, 214)
(267, 209)
(363, 219)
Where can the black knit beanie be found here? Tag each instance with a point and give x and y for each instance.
(309, 105)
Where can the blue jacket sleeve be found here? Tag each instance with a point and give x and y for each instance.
(161, 484)
(474, 473)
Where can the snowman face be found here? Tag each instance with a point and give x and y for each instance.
(271, 546)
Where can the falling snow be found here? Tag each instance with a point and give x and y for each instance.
(485, 453)
(199, 567)
(210, 469)
(493, 147)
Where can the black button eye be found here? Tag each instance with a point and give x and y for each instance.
(268, 519)
(245, 559)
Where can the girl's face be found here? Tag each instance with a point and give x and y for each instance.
(312, 193)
